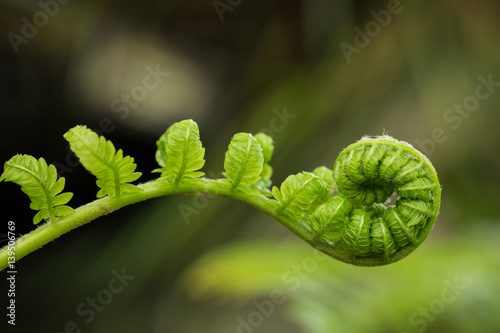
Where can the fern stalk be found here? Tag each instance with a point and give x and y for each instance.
(354, 225)
(100, 207)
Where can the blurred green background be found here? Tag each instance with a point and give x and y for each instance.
(300, 70)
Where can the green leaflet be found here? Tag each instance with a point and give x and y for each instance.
(244, 160)
(382, 239)
(324, 173)
(329, 219)
(356, 235)
(298, 193)
(39, 181)
(99, 157)
(267, 145)
(180, 153)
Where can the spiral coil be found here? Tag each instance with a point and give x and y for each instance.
(355, 226)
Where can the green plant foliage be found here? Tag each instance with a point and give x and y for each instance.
(263, 184)
(99, 157)
(329, 219)
(298, 193)
(39, 181)
(267, 145)
(244, 160)
(180, 153)
(324, 173)
(353, 224)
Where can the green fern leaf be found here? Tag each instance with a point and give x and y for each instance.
(324, 173)
(300, 193)
(39, 181)
(180, 153)
(382, 240)
(244, 160)
(356, 235)
(329, 219)
(100, 158)
(267, 145)
(263, 184)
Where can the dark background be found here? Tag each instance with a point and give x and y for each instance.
(235, 71)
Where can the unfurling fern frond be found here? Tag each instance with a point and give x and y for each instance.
(180, 153)
(39, 181)
(342, 211)
(244, 160)
(100, 158)
(362, 230)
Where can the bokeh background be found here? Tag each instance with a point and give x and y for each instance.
(242, 66)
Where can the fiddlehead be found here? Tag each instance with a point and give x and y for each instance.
(354, 227)
(340, 211)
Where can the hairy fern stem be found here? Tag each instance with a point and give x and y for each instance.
(100, 207)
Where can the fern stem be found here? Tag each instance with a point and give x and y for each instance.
(100, 207)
